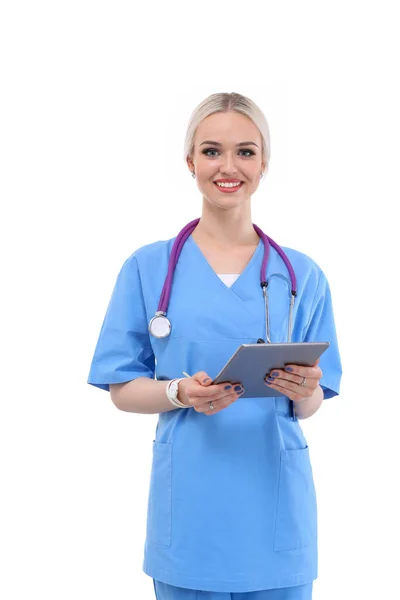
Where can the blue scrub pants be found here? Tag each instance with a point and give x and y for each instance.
(164, 591)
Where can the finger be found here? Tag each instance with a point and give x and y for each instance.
(202, 377)
(209, 413)
(206, 382)
(214, 392)
(219, 403)
(309, 385)
(293, 391)
(217, 406)
(309, 372)
(279, 376)
(229, 395)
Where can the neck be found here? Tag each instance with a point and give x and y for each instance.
(226, 228)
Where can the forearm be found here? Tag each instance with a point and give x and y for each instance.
(142, 395)
(307, 407)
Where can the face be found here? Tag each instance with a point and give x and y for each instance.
(220, 153)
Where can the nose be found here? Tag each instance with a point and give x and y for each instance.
(228, 165)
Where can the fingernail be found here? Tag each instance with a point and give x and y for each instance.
(227, 387)
(237, 388)
(275, 374)
(268, 382)
(208, 379)
(270, 379)
(288, 369)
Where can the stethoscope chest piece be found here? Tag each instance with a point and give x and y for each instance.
(160, 325)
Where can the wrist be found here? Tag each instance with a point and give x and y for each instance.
(308, 406)
(315, 393)
(181, 396)
(172, 391)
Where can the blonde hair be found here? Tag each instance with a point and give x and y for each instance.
(224, 102)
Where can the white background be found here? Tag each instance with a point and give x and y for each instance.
(95, 99)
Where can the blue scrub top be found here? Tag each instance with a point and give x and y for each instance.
(232, 503)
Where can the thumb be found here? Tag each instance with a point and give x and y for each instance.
(203, 378)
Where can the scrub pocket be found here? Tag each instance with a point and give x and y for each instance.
(159, 516)
(296, 514)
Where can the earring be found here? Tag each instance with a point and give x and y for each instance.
(193, 174)
(261, 174)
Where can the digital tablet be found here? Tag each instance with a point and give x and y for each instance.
(252, 362)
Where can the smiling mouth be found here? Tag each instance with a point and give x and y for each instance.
(229, 187)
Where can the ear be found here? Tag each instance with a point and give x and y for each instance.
(190, 163)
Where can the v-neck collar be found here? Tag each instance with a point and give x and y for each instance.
(242, 275)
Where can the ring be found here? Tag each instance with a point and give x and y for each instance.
(303, 382)
(211, 406)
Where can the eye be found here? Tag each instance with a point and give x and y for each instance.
(207, 150)
(251, 152)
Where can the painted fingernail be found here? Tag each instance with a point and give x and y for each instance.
(227, 387)
(288, 369)
(238, 388)
(275, 374)
(268, 382)
(208, 379)
(270, 378)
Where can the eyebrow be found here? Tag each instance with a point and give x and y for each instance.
(218, 143)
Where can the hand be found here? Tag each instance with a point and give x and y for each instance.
(288, 381)
(198, 392)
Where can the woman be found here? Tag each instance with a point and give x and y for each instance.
(232, 508)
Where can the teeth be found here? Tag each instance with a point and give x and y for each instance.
(228, 184)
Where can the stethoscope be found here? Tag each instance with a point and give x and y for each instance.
(160, 325)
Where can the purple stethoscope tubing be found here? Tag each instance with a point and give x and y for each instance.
(175, 253)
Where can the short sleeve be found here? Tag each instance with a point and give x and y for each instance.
(321, 328)
(123, 351)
